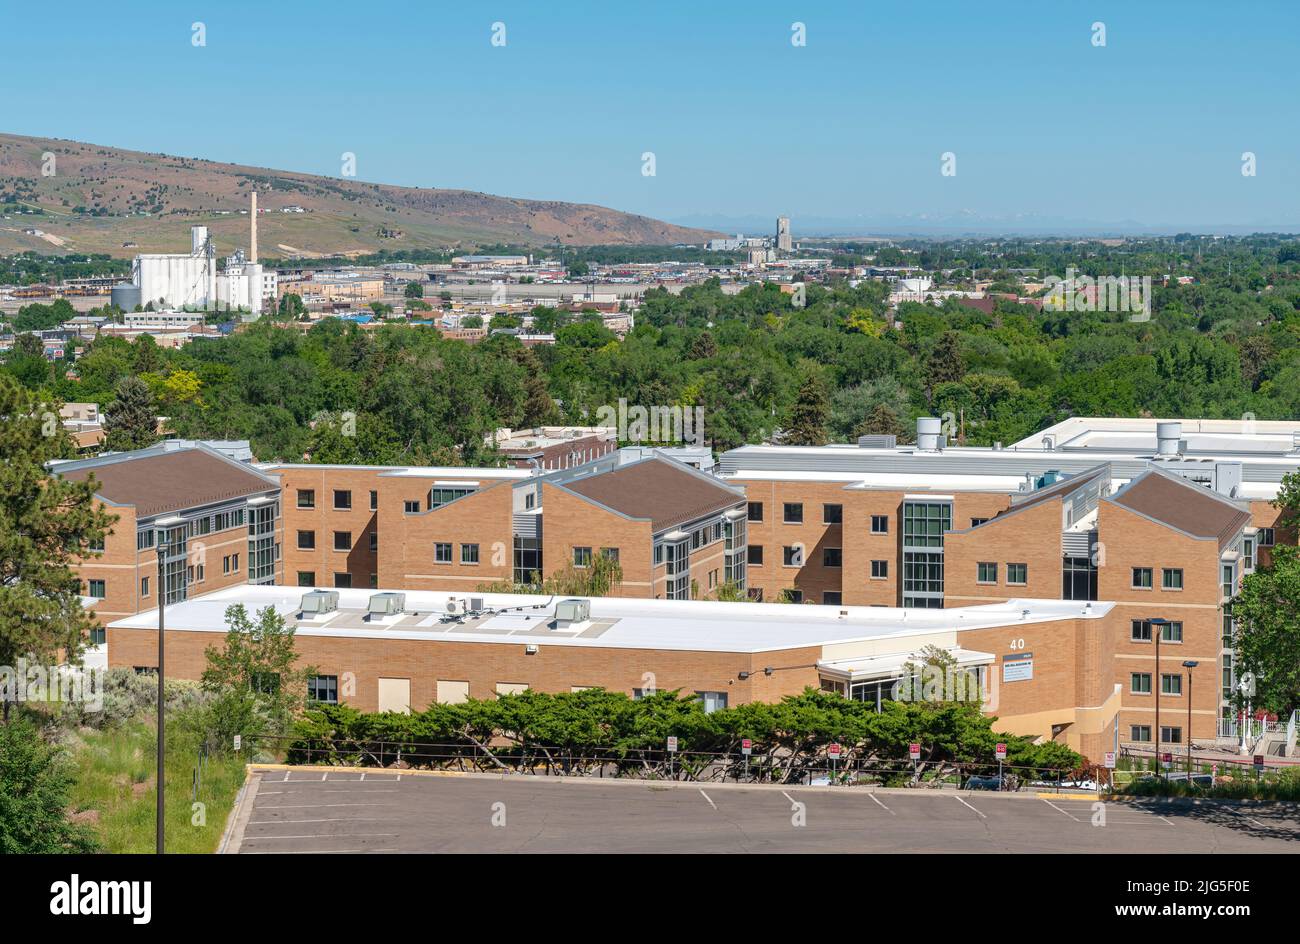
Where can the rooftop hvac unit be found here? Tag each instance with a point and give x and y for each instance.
(476, 604)
(386, 604)
(456, 606)
(881, 441)
(316, 602)
(573, 611)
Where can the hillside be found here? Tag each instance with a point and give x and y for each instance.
(102, 197)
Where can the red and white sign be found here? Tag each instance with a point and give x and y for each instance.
(914, 751)
(672, 743)
(1110, 760)
(746, 746)
(834, 751)
(1001, 752)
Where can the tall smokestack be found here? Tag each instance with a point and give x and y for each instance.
(252, 239)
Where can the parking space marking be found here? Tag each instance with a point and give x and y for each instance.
(881, 805)
(1059, 810)
(706, 796)
(311, 836)
(969, 807)
(335, 819)
(1244, 816)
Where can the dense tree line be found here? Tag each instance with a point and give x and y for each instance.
(1224, 345)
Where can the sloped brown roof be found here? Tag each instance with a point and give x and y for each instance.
(1184, 505)
(658, 490)
(171, 481)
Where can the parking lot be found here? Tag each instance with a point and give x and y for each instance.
(303, 810)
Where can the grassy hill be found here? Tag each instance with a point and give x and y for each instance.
(102, 197)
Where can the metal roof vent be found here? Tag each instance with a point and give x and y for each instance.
(386, 604)
(1169, 437)
(319, 602)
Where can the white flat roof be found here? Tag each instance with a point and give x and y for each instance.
(615, 622)
(414, 471)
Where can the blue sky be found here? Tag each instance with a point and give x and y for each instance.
(1148, 130)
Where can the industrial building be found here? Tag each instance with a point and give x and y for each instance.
(193, 280)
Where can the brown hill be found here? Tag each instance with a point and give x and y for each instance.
(105, 199)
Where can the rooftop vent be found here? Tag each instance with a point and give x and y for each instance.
(929, 434)
(1169, 438)
(386, 604)
(318, 602)
(878, 441)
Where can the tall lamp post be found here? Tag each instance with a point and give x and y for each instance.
(1157, 630)
(1189, 665)
(162, 606)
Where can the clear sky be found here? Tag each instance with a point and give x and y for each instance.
(1149, 129)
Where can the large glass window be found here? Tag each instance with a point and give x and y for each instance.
(261, 543)
(1078, 579)
(924, 524)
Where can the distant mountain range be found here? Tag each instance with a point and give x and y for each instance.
(106, 199)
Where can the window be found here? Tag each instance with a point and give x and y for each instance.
(144, 586)
(713, 701)
(97, 636)
(794, 596)
(374, 581)
(1171, 684)
(1142, 578)
(95, 588)
(582, 557)
(792, 556)
(1265, 537)
(755, 555)
(234, 562)
(95, 546)
(831, 556)
(1248, 553)
(306, 498)
(832, 598)
(880, 524)
(443, 495)
(794, 513)
(143, 540)
(1018, 574)
(1171, 632)
(342, 499)
(1140, 631)
(1078, 579)
(469, 553)
(225, 564)
(323, 688)
(976, 522)
(343, 581)
(1171, 578)
(755, 511)
(1139, 732)
(306, 578)
(986, 572)
(306, 540)
(442, 552)
(374, 540)
(879, 569)
(1139, 683)
(411, 507)
(1170, 735)
(832, 514)
(1229, 580)
(342, 540)
(374, 500)
(609, 553)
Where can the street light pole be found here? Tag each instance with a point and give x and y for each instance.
(1158, 630)
(1189, 665)
(162, 605)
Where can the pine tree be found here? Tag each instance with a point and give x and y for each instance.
(130, 421)
(45, 524)
(812, 409)
(883, 421)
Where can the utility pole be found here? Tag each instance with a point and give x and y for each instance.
(1189, 665)
(1158, 630)
(162, 606)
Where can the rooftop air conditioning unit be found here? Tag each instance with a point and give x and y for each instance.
(317, 602)
(573, 611)
(386, 604)
(456, 607)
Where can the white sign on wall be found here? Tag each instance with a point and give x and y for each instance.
(1018, 667)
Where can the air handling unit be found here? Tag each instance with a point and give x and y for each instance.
(319, 602)
(568, 612)
(383, 605)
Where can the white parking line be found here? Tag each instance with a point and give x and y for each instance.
(367, 790)
(788, 797)
(311, 806)
(324, 775)
(881, 805)
(969, 807)
(1059, 810)
(313, 851)
(1244, 816)
(706, 796)
(286, 838)
(335, 819)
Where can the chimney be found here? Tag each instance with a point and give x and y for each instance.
(252, 222)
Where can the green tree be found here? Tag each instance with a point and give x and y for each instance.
(1267, 643)
(35, 783)
(131, 421)
(944, 363)
(46, 524)
(255, 675)
(807, 426)
(414, 290)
